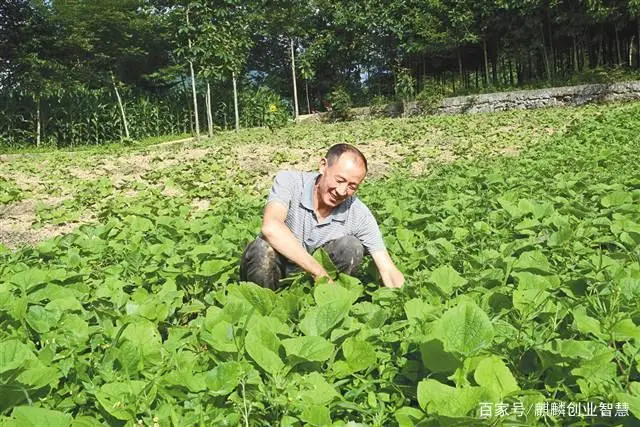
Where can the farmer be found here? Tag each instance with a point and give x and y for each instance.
(309, 210)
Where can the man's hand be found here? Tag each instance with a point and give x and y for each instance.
(391, 276)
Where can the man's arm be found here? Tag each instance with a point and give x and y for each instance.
(391, 276)
(278, 235)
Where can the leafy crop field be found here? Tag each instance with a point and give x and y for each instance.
(518, 233)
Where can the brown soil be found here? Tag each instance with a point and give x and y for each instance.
(260, 160)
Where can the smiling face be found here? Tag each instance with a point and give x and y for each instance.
(339, 181)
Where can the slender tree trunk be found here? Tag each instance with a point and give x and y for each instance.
(638, 47)
(235, 101)
(186, 98)
(462, 79)
(545, 56)
(293, 74)
(194, 95)
(486, 63)
(552, 54)
(209, 113)
(510, 72)
(122, 114)
(495, 59)
(618, 49)
(576, 66)
(631, 51)
(193, 87)
(306, 88)
(38, 134)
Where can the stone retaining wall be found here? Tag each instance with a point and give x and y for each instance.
(500, 101)
(553, 97)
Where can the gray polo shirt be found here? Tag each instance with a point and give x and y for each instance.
(294, 190)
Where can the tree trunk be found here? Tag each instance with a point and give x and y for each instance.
(193, 87)
(631, 51)
(235, 101)
(545, 56)
(576, 66)
(306, 87)
(293, 74)
(460, 66)
(511, 72)
(638, 47)
(196, 119)
(209, 113)
(552, 55)
(38, 121)
(186, 97)
(122, 114)
(495, 59)
(486, 63)
(618, 49)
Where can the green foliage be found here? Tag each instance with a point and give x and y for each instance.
(263, 107)
(405, 85)
(9, 192)
(523, 278)
(340, 103)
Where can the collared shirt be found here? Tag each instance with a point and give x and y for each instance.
(294, 189)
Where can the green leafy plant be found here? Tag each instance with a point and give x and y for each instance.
(340, 104)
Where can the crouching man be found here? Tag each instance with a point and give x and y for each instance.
(310, 210)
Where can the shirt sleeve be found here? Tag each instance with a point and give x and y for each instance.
(282, 189)
(368, 232)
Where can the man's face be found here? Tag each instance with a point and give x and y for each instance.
(339, 181)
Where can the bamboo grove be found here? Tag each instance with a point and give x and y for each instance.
(84, 72)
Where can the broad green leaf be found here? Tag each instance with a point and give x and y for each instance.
(220, 336)
(40, 319)
(31, 416)
(39, 376)
(14, 354)
(527, 280)
(616, 198)
(30, 278)
(625, 330)
(262, 299)
(323, 258)
(435, 359)
(224, 378)
(214, 267)
(145, 339)
(632, 400)
(317, 391)
(331, 293)
(532, 302)
(494, 375)
(534, 262)
(464, 329)
(418, 309)
(359, 355)
(408, 416)
(139, 224)
(119, 398)
(321, 319)
(264, 347)
(447, 279)
(316, 415)
(584, 323)
(311, 349)
(437, 398)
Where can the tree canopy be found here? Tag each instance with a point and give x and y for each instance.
(53, 51)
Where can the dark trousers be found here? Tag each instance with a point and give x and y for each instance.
(261, 263)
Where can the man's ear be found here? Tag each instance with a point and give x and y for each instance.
(323, 166)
